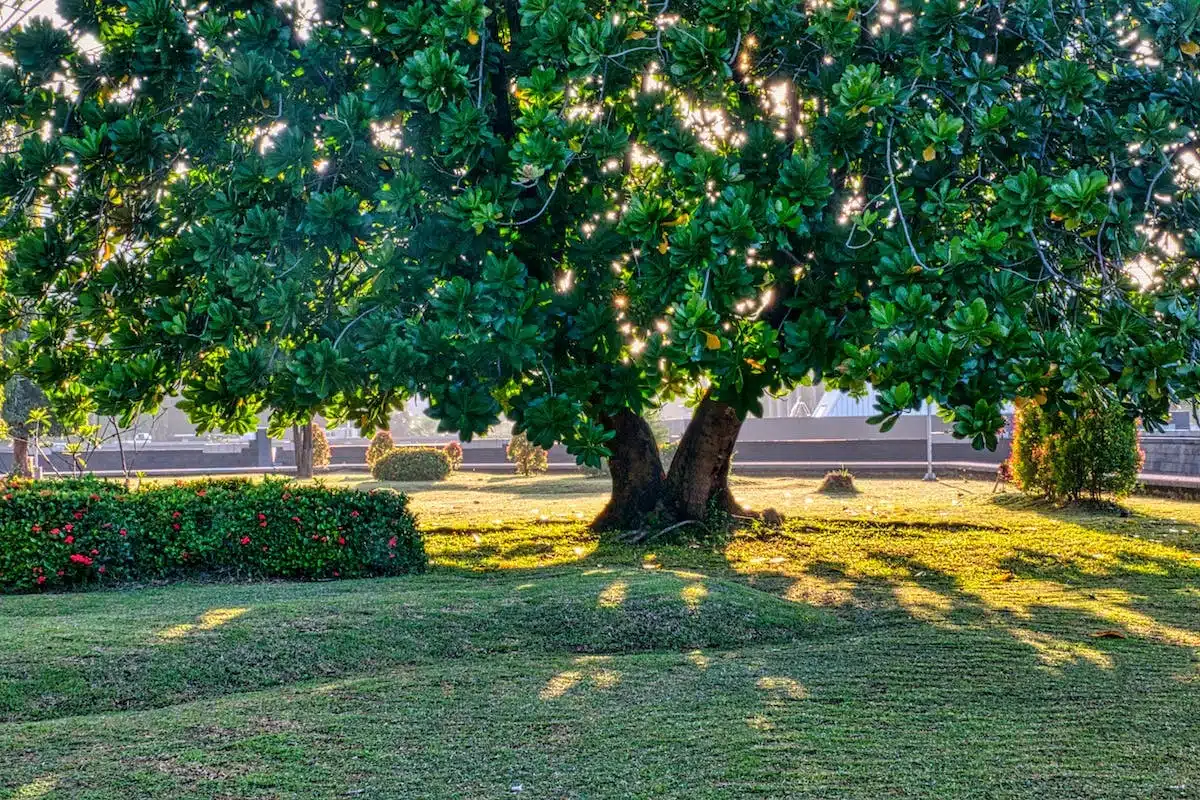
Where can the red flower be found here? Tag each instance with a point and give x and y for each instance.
(175, 515)
(55, 531)
(60, 573)
(287, 496)
(41, 579)
(175, 525)
(262, 516)
(78, 515)
(202, 493)
(392, 542)
(68, 527)
(315, 537)
(296, 520)
(245, 540)
(264, 548)
(341, 540)
(95, 552)
(8, 497)
(101, 570)
(69, 539)
(36, 528)
(93, 497)
(80, 558)
(123, 532)
(354, 513)
(262, 524)
(336, 574)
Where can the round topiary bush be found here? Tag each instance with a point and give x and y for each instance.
(412, 464)
(381, 445)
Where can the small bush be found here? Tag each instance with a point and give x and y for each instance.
(840, 481)
(412, 464)
(1069, 459)
(528, 457)
(454, 452)
(381, 445)
(321, 451)
(56, 534)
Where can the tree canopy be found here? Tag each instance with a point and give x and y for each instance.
(564, 210)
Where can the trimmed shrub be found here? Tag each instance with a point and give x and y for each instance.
(454, 452)
(381, 445)
(1067, 459)
(527, 456)
(321, 451)
(72, 533)
(412, 464)
(839, 481)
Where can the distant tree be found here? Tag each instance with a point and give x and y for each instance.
(528, 458)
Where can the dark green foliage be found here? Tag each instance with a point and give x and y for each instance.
(528, 458)
(381, 444)
(559, 210)
(412, 464)
(76, 533)
(1070, 458)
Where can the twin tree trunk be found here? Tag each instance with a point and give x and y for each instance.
(302, 442)
(698, 481)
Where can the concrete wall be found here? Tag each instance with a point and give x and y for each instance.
(1171, 454)
(1168, 454)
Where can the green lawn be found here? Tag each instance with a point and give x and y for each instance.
(914, 640)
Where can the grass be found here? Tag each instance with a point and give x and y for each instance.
(912, 640)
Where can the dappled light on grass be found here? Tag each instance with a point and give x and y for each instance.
(614, 594)
(38, 788)
(1054, 652)
(591, 672)
(693, 593)
(781, 687)
(209, 620)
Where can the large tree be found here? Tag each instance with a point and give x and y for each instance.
(570, 211)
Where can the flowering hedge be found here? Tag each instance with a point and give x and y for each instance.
(67, 533)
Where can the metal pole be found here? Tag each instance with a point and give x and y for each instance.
(929, 473)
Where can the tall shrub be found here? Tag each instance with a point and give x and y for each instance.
(321, 452)
(1067, 458)
(381, 445)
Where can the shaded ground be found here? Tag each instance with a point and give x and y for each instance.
(913, 640)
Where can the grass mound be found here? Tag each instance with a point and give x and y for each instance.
(151, 648)
(840, 481)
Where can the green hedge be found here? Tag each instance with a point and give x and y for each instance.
(412, 464)
(69, 533)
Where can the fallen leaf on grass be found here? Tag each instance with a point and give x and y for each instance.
(1109, 634)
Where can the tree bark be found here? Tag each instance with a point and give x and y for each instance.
(699, 478)
(20, 452)
(302, 442)
(637, 474)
